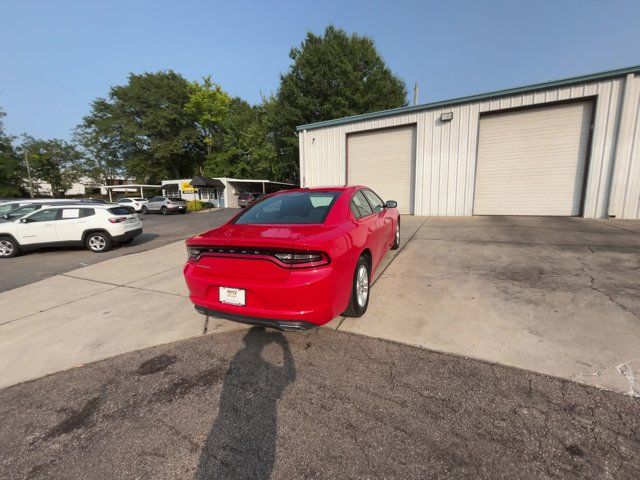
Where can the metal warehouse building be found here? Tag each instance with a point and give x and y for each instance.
(568, 148)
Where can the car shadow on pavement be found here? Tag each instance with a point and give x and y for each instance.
(242, 440)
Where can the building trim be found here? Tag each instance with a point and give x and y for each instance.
(474, 98)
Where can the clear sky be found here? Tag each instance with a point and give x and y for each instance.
(57, 56)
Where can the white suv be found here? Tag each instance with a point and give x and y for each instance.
(134, 202)
(97, 226)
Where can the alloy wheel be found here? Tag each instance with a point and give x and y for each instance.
(398, 233)
(97, 243)
(6, 248)
(362, 286)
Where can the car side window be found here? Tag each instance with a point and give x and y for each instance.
(68, 213)
(124, 200)
(374, 200)
(44, 215)
(87, 212)
(361, 205)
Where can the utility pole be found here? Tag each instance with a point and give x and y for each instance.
(415, 94)
(26, 161)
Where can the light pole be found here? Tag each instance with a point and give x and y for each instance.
(26, 161)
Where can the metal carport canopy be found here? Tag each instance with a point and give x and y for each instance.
(110, 188)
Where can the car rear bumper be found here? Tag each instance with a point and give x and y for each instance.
(128, 235)
(177, 208)
(285, 325)
(303, 297)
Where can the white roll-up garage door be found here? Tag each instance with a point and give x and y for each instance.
(532, 161)
(384, 160)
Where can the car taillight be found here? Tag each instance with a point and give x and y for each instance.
(118, 219)
(302, 259)
(293, 259)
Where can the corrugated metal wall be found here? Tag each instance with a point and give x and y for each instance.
(446, 152)
(625, 196)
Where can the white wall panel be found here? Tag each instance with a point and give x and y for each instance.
(446, 152)
(625, 195)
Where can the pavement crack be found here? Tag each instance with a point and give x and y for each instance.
(127, 285)
(58, 306)
(592, 285)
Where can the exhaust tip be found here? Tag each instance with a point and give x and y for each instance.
(290, 328)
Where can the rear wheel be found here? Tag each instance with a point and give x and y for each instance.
(396, 238)
(98, 242)
(145, 210)
(359, 300)
(8, 247)
(164, 210)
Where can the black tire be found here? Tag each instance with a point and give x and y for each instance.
(357, 307)
(98, 242)
(145, 210)
(8, 247)
(183, 211)
(396, 237)
(164, 210)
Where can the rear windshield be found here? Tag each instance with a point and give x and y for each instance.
(290, 208)
(121, 210)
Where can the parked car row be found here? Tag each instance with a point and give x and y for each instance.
(163, 205)
(46, 223)
(27, 224)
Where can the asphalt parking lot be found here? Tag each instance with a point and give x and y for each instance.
(158, 230)
(319, 404)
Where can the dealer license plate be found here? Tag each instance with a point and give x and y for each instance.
(233, 296)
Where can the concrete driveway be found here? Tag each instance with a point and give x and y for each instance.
(560, 296)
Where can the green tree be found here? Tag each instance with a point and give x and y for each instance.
(11, 168)
(103, 159)
(55, 162)
(144, 124)
(333, 75)
(208, 104)
(244, 149)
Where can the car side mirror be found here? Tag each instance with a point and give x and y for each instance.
(5, 216)
(391, 204)
(23, 220)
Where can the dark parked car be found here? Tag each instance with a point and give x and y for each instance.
(246, 198)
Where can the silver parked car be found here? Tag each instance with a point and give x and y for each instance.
(165, 205)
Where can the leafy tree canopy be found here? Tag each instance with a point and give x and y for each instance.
(208, 104)
(244, 149)
(53, 161)
(10, 165)
(333, 75)
(143, 126)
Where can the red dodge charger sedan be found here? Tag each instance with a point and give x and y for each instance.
(295, 259)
